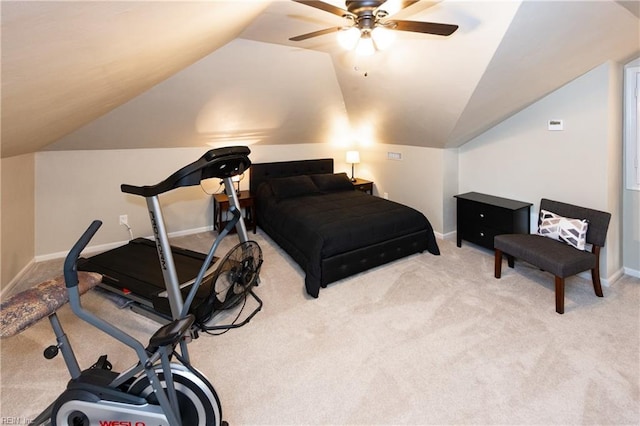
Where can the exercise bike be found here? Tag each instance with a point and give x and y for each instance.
(162, 388)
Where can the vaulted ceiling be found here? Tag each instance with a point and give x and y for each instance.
(108, 74)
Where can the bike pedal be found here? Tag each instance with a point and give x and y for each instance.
(51, 352)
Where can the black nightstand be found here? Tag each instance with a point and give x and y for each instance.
(363, 185)
(481, 217)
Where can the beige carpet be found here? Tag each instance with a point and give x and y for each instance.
(425, 340)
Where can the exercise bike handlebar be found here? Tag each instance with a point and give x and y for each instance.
(70, 262)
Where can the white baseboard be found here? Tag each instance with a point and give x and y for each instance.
(104, 247)
(448, 236)
(16, 279)
(605, 281)
(190, 231)
(613, 277)
(632, 272)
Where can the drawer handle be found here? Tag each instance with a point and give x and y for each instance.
(481, 214)
(482, 234)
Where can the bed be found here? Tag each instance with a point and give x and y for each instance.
(331, 230)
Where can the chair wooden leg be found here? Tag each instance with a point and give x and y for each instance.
(595, 277)
(595, 272)
(559, 295)
(498, 264)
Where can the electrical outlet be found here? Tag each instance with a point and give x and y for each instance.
(124, 219)
(385, 195)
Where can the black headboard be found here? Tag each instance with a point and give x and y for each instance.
(261, 172)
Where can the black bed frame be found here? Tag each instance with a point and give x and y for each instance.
(346, 264)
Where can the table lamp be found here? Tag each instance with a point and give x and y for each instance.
(353, 157)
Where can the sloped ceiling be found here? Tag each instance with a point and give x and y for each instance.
(246, 92)
(65, 63)
(73, 72)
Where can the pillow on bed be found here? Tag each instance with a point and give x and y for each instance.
(293, 186)
(329, 182)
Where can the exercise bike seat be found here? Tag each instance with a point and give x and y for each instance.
(171, 333)
(26, 308)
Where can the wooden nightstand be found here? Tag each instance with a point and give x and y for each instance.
(363, 185)
(221, 205)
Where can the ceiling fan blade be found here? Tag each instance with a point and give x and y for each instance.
(391, 7)
(406, 3)
(315, 34)
(325, 6)
(422, 27)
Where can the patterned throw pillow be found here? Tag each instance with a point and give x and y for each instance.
(567, 230)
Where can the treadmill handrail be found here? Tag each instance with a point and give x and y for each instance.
(215, 163)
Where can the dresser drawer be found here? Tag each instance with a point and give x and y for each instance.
(481, 217)
(481, 235)
(487, 216)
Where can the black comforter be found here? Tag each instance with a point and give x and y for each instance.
(314, 225)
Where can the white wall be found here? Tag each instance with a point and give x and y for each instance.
(17, 215)
(417, 180)
(521, 159)
(75, 187)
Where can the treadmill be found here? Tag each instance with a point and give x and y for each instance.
(142, 270)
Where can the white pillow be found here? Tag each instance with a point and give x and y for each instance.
(567, 230)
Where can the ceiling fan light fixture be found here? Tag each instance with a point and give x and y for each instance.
(368, 30)
(348, 37)
(365, 45)
(382, 37)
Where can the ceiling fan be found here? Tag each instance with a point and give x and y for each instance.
(368, 28)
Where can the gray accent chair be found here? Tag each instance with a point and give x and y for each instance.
(556, 257)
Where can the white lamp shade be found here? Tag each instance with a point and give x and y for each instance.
(353, 157)
(348, 37)
(382, 37)
(365, 46)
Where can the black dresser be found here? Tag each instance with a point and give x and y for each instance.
(481, 217)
